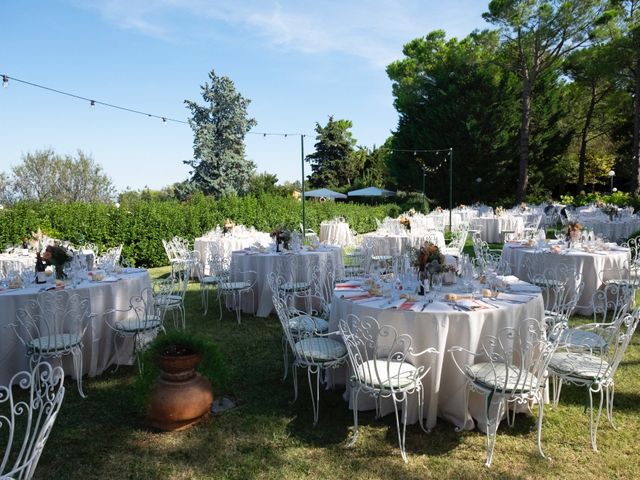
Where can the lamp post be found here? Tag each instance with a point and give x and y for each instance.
(611, 175)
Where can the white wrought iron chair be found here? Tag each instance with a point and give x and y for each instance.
(509, 369)
(380, 362)
(169, 293)
(110, 259)
(143, 322)
(457, 243)
(312, 350)
(594, 368)
(52, 326)
(242, 284)
(28, 419)
(300, 323)
(356, 262)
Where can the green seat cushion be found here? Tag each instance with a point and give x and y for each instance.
(386, 375)
(579, 365)
(495, 377)
(138, 325)
(308, 324)
(320, 349)
(54, 343)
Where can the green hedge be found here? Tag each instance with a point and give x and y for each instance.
(140, 226)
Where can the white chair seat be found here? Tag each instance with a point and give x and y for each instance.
(381, 258)
(54, 343)
(295, 286)
(320, 349)
(580, 365)
(168, 300)
(211, 280)
(581, 338)
(495, 377)
(138, 325)
(387, 374)
(234, 285)
(308, 324)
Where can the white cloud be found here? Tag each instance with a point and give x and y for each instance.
(373, 30)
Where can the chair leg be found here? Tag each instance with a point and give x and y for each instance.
(295, 382)
(540, 401)
(594, 424)
(77, 366)
(315, 397)
(610, 390)
(285, 357)
(354, 404)
(421, 421)
(401, 433)
(116, 349)
(492, 429)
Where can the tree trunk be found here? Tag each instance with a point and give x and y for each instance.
(582, 158)
(636, 133)
(525, 125)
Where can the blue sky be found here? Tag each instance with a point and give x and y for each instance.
(297, 61)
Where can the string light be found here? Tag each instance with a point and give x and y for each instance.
(5, 81)
(92, 104)
(164, 120)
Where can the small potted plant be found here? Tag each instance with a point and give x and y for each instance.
(174, 387)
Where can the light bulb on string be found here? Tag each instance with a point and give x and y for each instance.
(5, 81)
(164, 120)
(92, 104)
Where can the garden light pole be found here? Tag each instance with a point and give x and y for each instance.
(304, 219)
(611, 175)
(450, 185)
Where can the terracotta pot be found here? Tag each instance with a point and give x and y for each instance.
(180, 397)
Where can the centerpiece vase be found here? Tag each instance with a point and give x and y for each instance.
(277, 243)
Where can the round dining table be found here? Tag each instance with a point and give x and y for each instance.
(336, 233)
(265, 262)
(397, 245)
(441, 325)
(98, 352)
(16, 262)
(225, 244)
(491, 228)
(593, 267)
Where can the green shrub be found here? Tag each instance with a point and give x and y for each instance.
(140, 225)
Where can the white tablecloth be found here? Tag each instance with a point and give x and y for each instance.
(399, 244)
(16, 262)
(615, 230)
(441, 327)
(98, 351)
(592, 268)
(264, 263)
(225, 244)
(336, 233)
(491, 228)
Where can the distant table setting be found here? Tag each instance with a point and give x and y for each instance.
(336, 232)
(491, 228)
(459, 314)
(216, 241)
(111, 291)
(399, 244)
(266, 260)
(594, 263)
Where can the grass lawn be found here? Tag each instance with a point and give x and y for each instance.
(268, 437)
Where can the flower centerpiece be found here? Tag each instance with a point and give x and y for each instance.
(523, 207)
(610, 210)
(574, 229)
(228, 226)
(57, 256)
(281, 235)
(405, 221)
(499, 211)
(429, 261)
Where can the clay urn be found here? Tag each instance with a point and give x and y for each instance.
(180, 396)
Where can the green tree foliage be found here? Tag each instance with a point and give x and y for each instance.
(262, 183)
(454, 94)
(219, 166)
(333, 164)
(47, 176)
(538, 34)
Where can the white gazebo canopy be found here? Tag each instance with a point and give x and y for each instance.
(371, 192)
(324, 193)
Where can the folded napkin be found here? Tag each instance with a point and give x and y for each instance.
(407, 306)
(365, 298)
(470, 304)
(394, 304)
(417, 306)
(340, 286)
